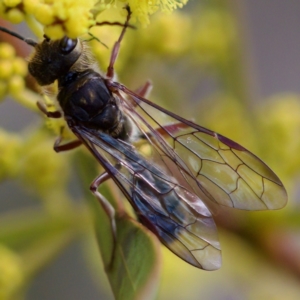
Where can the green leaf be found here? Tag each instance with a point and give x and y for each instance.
(134, 268)
(132, 262)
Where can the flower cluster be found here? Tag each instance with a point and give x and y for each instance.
(74, 17)
(71, 17)
(12, 71)
(12, 10)
(142, 9)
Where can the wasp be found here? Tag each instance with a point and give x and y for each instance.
(189, 171)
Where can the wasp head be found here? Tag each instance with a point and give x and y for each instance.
(53, 59)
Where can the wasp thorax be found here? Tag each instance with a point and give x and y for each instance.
(53, 59)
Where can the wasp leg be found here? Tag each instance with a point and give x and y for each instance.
(168, 129)
(67, 146)
(165, 131)
(50, 114)
(145, 89)
(114, 54)
(142, 91)
(56, 115)
(109, 210)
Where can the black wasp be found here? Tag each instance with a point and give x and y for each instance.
(190, 168)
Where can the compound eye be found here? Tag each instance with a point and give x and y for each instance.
(67, 45)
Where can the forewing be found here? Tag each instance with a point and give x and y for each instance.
(178, 217)
(224, 171)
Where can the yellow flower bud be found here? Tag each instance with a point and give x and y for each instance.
(6, 51)
(6, 69)
(30, 6)
(12, 3)
(43, 14)
(54, 31)
(16, 84)
(19, 66)
(14, 15)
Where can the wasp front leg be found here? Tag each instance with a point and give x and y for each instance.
(110, 70)
(50, 114)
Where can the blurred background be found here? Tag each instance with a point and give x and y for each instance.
(233, 67)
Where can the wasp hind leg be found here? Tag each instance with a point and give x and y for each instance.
(109, 210)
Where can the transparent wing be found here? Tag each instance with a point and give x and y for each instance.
(178, 217)
(210, 163)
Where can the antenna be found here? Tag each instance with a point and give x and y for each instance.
(27, 41)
